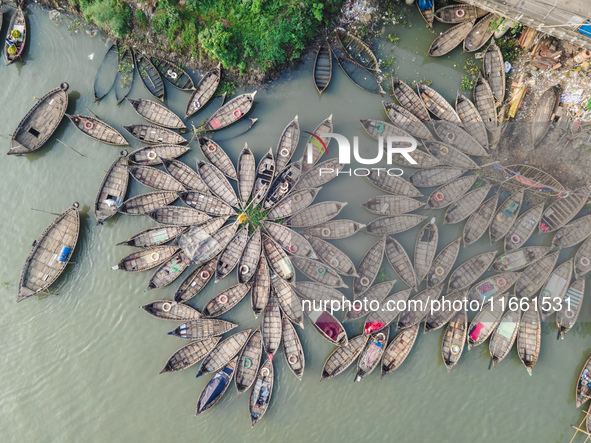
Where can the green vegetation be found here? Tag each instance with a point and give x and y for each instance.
(112, 14)
(254, 216)
(226, 86)
(393, 38)
(509, 48)
(469, 80)
(141, 19)
(382, 275)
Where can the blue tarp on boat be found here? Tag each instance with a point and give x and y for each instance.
(584, 29)
(425, 4)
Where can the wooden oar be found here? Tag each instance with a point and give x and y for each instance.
(41, 210)
(70, 147)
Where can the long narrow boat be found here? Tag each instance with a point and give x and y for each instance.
(519, 259)
(316, 214)
(224, 351)
(436, 104)
(125, 74)
(194, 283)
(320, 174)
(431, 177)
(502, 339)
(406, 120)
(327, 325)
(260, 395)
(150, 76)
(40, 122)
(369, 267)
(378, 320)
(98, 130)
(324, 127)
(200, 328)
(450, 39)
(218, 157)
(318, 272)
(466, 205)
(484, 100)
(282, 185)
(454, 339)
(571, 307)
(217, 183)
(452, 133)
(173, 74)
(535, 275)
(421, 158)
(293, 203)
(393, 184)
(450, 193)
(290, 240)
(112, 190)
(391, 205)
(505, 216)
(554, 290)
(290, 304)
(334, 229)
(523, 228)
(178, 216)
(215, 389)
(357, 50)
(427, 11)
(190, 354)
(532, 177)
(16, 37)
(264, 176)
(478, 223)
(211, 238)
(529, 337)
(394, 224)
(106, 73)
(225, 300)
(288, 143)
(315, 292)
(380, 129)
(472, 121)
(261, 287)
(230, 257)
(440, 317)
(278, 260)
(480, 34)
(342, 357)
(583, 388)
(169, 310)
(292, 348)
(399, 349)
(362, 77)
(425, 249)
(443, 263)
(186, 176)
(493, 67)
(322, 67)
(250, 257)
(249, 361)
(154, 178)
(204, 91)
(169, 271)
(544, 113)
(230, 113)
(582, 260)
(493, 286)
(246, 174)
(145, 203)
(207, 203)
(418, 307)
(573, 233)
(485, 321)
(146, 259)
(156, 113)
(153, 236)
(153, 155)
(471, 270)
(459, 13)
(155, 135)
(564, 209)
(50, 254)
(450, 156)
(372, 353)
(377, 293)
(408, 98)
(400, 262)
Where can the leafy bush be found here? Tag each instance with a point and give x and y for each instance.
(141, 18)
(115, 14)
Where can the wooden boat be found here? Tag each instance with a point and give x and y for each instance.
(436, 104)
(378, 320)
(97, 130)
(50, 254)
(493, 286)
(202, 328)
(218, 157)
(293, 204)
(471, 270)
(357, 50)
(454, 339)
(427, 11)
(204, 91)
(439, 176)
(317, 271)
(450, 193)
(443, 263)
(440, 317)
(217, 183)
(484, 100)
(224, 351)
(519, 259)
(391, 205)
(369, 267)
(261, 287)
(277, 259)
(156, 113)
(479, 34)
(418, 307)
(215, 243)
(502, 339)
(283, 184)
(250, 257)
(315, 292)
(564, 209)
(325, 127)
(393, 184)
(289, 239)
(327, 325)
(342, 357)
(112, 190)
(450, 156)
(287, 299)
(225, 300)
(535, 275)
(459, 13)
(322, 67)
(215, 389)
(207, 203)
(153, 155)
(316, 214)
(154, 178)
(153, 236)
(523, 228)
(531, 177)
(529, 337)
(173, 74)
(230, 257)
(471, 119)
(332, 256)
(125, 74)
(573, 233)
(40, 122)
(169, 310)
(425, 249)
(379, 128)
(292, 348)
(453, 134)
(334, 229)
(190, 354)
(16, 37)
(493, 67)
(288, 143)
(544, 113)
(583, 390)
(178, 216)
(359, 75)
(582, 259)
(150, 76)
(505, 216)
(154, 135)
(571, 307)
(486, 321)
(394, 224)
(465, 206)
(376, 293)
(554, 288)
(423, 160)
(188, 178)
(406, 120)
(230, 113)
(145, 259)
(246, 173)
(107, 73)
(144, 203)
(371, 355)
(169, 271)
(398, 349)
(400, 262)
(478, 223)
(320, 174)
(260, 395)
(407, 97)
(249, 361)
(264, 176)
(448, 40)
